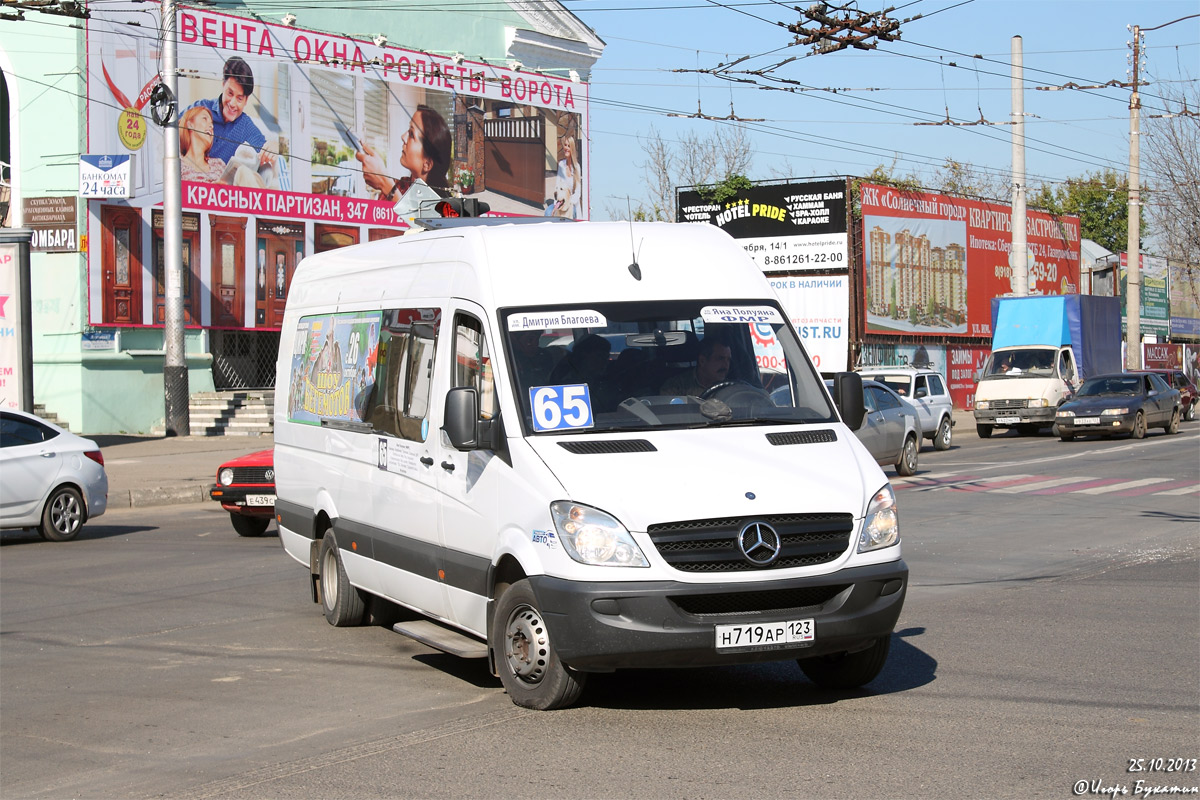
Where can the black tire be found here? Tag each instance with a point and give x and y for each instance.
(1067, 437)
(525, 657)
(62, 518)
(249, 526)
(984, 431)
(1172, 427)
(945, 432)
(1139, 426)
(342, 603)
(1191, 411)
(906, 465)
(847, 670)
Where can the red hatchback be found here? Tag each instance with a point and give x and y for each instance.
(245, 488)
(1188, 394)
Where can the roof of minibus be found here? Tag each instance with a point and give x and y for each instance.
(534, 264)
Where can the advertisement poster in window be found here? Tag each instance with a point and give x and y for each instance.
(333, 367)
(818, 308)
(932, 263)
(284, 127)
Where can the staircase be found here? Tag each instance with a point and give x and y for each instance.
(245, 412)
(39, 410)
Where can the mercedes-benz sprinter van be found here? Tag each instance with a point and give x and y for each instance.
(579, 447)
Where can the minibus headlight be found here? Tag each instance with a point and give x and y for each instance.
(590, 536)
(225, 476)
(881, 526)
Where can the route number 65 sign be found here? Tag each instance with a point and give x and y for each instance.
(557, 408)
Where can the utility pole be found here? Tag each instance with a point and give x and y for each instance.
(175, 377)
(1020, 247)
(1133, 259)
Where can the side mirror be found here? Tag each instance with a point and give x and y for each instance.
(461, 418)
(848, 396)
(922, 392)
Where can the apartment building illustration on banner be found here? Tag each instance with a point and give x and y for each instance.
(916, 274)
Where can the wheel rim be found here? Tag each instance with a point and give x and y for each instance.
(526, 644)
(946, 433)
(1139, 426)
(910, 455)
(65, 514)
(329, 579)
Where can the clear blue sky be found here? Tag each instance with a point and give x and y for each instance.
(929, 73)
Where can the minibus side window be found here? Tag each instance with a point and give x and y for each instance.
(473, 363)
(404, 373)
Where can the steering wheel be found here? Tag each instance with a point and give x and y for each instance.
(734, 388)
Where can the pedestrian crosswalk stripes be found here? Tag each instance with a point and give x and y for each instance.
(1050, 485)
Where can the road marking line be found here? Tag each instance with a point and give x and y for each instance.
(1177, 488)
(1086, 484)
(997, 482)
(1046, 484)
(1119, 487)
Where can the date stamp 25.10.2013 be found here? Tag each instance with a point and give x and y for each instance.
(1146, 777)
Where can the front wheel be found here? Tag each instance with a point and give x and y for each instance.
(1173, 426)
(1191, 411)
(248, 526)
(984, 431)
(342, 603)
(62, 519)
(945, 432)
(1139, 426)
(525, 658)
(907, 464)
(847, 670)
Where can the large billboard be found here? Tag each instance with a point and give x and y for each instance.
(785, 227)
(932, 263)
(293, 142)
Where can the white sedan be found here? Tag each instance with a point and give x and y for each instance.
(53, 480)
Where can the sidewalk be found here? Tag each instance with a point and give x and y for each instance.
(158, 470)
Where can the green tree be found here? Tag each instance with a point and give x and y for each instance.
(1100, 200)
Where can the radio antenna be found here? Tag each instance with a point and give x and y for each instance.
(634, 269)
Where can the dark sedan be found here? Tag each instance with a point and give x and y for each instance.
(1125, 402)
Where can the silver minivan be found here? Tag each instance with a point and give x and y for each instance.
(926, 390)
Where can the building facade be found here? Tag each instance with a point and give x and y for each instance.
(295, 133)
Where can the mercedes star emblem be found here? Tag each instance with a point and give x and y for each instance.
(759, 543)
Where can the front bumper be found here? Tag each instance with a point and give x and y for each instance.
(598, 627)
(1023, 416)
(233, 498)
(1108, 425)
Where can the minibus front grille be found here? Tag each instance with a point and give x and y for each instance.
(803, 437)
(1008, 405)
(610, 446)
(806, 599)
(711, 545)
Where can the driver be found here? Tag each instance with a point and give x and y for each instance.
(712, 367)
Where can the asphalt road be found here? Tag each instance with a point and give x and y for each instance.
(1051, 635)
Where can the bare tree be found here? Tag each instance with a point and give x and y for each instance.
(694, 160)
(964, 179)
(1171, 150)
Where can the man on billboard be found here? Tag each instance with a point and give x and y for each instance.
(236, 137)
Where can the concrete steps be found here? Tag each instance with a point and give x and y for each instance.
(232, 413)
(39, 410)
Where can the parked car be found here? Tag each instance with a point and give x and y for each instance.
(1188, 393)
(890, 429)
(1122, 402)
(926, 390)
(245, 488)
(53, 480)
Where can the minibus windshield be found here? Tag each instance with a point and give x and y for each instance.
(661, 364)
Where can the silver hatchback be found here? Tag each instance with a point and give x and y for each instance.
(926, 390)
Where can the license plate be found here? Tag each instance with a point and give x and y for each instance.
(1087, 420)
(260, 499)
(1008, 420)
(766, 635)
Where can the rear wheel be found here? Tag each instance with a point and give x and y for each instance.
(248, 526)
(984, 431)
(907, 464)
(1173, 425)
(62, 518)
(945, 432)
(847, 670)
(525, 658)
(343, 604)
(1139, 426)
(1191, 411)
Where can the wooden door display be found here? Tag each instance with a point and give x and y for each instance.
(191, 266)
(515, 157)
(331, 237)
(375, 234)
(227, 271)
(121, 260)
(279, 248)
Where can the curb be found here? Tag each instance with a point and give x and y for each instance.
(161, 496)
